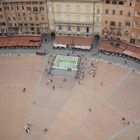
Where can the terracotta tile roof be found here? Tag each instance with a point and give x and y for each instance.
(74, 41)
(106, 45)
(64, 40)
(123, 49)
(83, 41)
(132, 51)
(20, 41)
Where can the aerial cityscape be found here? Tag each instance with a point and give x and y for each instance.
(70, 70)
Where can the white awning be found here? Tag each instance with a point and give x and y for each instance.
(82, 47)
(59, 45)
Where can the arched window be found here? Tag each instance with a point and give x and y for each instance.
(121, 3)
(114, 2)
(107, 1)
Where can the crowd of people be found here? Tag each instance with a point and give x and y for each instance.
(85, 69)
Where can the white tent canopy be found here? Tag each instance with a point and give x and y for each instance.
(59, 45)
(82, 47)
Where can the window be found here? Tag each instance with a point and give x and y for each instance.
(14, 18)
(7, 8)
(87, 29)
(129, 14)
(88, 8)
(78, 18)
(119, 24)
(12, 8)
(68, 9)
(106, 22)
(121, 3)
(18, 14)
(22, 7)
(112, 23)
(10, 24)
(107, 2)
(8, 18)
(58, 8)
(88, 19)
(23, 14)
(59, 17)
(68, 18)
(30, 18)
(78, 28)
(98, 11)
(49, 8)
(69, 28)
(1, 16)
(2, 30)
(137, 13)
(36, 18)
(41, 8)
(113, 12)
(127, 23)
(28, 8)
(114, 2)
(17, 8)
(118, 33)
(60, 28)
(42, 18)
(35, 9)
(132, 41)
(97, 29)
(32, 29)
(106, 11)
(97, 19)
(2, 24)
(77, 8)
(0, 9)
(121, 12)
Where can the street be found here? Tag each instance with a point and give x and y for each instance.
(90, 54)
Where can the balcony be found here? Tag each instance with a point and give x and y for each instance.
(137, 26)
(136, 16)
(74, 32)
(116, 27)
(90, 23)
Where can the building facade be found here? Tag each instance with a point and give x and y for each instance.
(75, 17)
(134, 35)
(110, 19)
(3, 23)
(25, 17)
(117, 19)
(120, 20)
